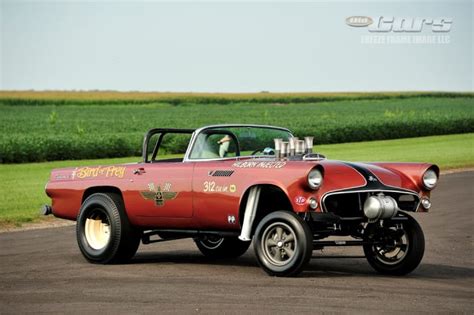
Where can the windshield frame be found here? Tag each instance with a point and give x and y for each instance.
(196, 133)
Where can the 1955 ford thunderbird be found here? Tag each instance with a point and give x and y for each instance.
(240, 183)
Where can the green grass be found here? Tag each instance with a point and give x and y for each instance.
(448, 152)
(22, 185)
(45, 132)
(127, 98)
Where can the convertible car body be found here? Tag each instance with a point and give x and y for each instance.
(238, 183)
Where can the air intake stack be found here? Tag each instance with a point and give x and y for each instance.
(278, 145)
(292, 144)
(308, 141)
(294, 148)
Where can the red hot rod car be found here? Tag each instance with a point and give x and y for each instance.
(238, 183)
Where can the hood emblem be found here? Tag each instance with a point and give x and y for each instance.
(372, 179)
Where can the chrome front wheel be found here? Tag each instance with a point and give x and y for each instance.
(279, 243)
(283, 243)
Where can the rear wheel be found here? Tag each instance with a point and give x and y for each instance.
(283, 244)
(103, 232)
(221, 247)
(398, 250)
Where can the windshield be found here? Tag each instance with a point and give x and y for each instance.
(225, 142)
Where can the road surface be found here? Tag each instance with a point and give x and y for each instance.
(43, 271)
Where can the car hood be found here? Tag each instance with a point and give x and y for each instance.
(372, 176)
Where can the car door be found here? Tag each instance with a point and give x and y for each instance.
(216, 195)
(161, 189)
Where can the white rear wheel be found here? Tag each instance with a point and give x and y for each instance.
(97, 230)
(104, 234)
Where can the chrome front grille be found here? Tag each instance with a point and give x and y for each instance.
(350, 204)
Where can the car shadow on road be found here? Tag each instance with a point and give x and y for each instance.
(359, 267)
(187, 257)
(331, 267)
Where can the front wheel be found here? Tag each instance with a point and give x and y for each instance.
(103, 232)
(398, 248)
(283, 244)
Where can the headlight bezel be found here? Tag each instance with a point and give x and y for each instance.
(315, 178)
(430, 179)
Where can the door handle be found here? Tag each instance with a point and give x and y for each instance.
(139, 171)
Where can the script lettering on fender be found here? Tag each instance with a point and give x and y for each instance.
(107, 171)
(253, 164)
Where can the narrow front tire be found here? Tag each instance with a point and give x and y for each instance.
(399, 250)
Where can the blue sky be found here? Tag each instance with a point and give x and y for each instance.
(226, 47)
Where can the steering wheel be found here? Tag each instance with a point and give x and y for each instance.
(265, 151)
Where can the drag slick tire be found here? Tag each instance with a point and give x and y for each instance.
(221, 247)
(283, 244)
(402, 249)
(103, 232)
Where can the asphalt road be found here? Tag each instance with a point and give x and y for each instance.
(43, 271)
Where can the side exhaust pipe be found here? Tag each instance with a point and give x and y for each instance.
(46, 210)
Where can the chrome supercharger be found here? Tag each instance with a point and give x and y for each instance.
(380, 206)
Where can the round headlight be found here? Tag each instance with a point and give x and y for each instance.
(430, 179)
(315, 179)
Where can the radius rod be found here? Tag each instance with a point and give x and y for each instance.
(343, 243)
